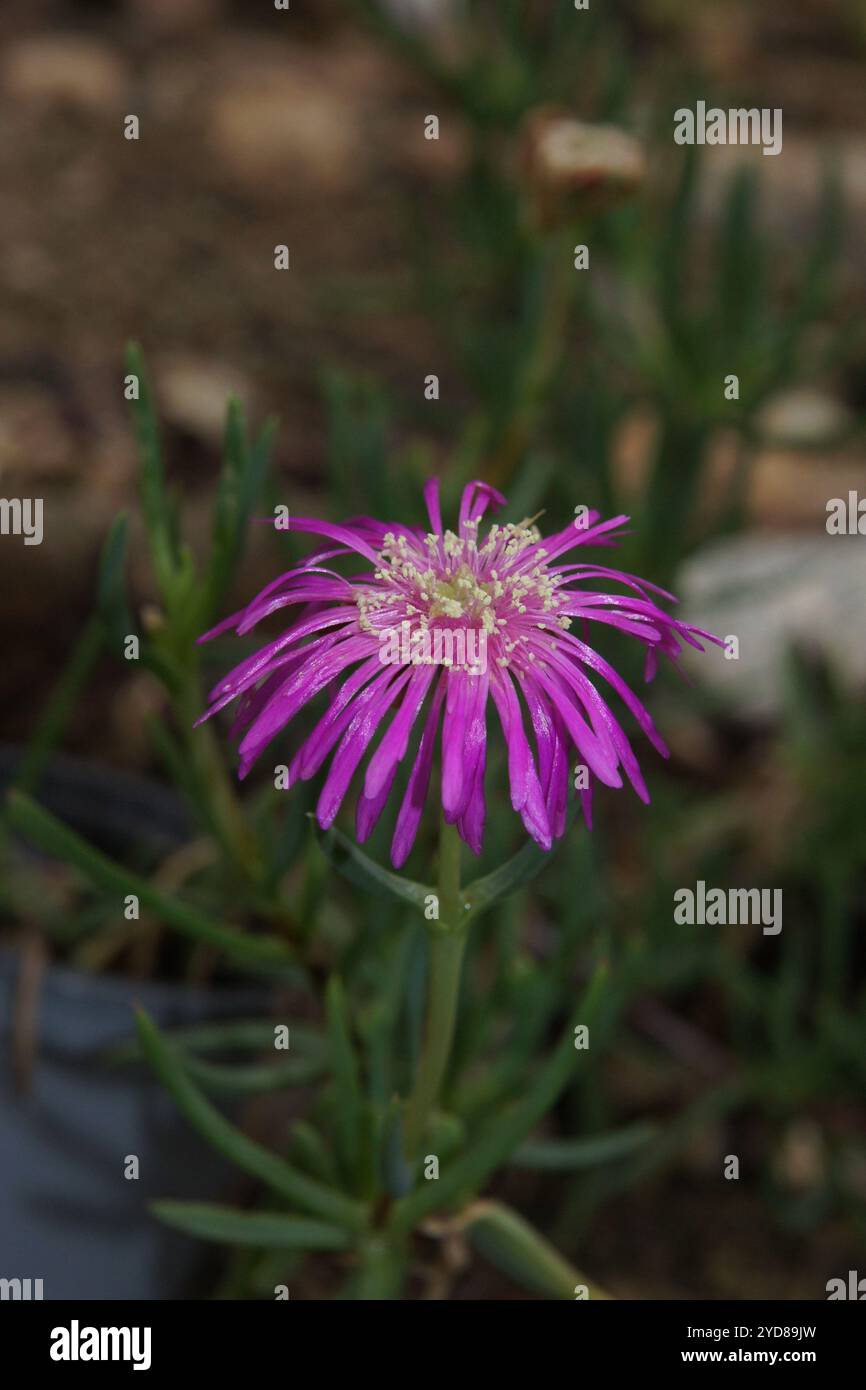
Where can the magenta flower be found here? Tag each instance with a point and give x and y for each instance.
(434, 628)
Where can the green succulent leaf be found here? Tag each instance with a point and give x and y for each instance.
(569, 1155)
(156, 505)
(240, 1035)
(493, 1146)
(241, 480)
(346, 1077)
(41, 828)
(396, 1172)
(313, 1153)
(517, 871)
(262, 1229)
(254, 1079)
(515, 1247)
(111, 600)
(364, 872)
(296, 1187)
(60, 705)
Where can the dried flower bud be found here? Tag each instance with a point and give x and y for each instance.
(572, 168)
(152, 617)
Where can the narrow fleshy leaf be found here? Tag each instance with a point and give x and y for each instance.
(262, 1229)
(155, 502)
(312, 1153)
(509, 1242)
(254, 1079)
(296, 1187)
(235, 1035)
(55, 838)
(242, 478)
(569, 1155)
(111, 600)
(364, 872)
(226, 535)
(396, 1173)
(493, 1146)
(346, 1078)
(59, 706)
(517, 871)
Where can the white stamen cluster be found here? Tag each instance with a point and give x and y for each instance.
(451, 577)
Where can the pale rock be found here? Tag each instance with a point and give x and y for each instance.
(273, 124)
(64, 70)
(803, 417)
(772, 592)
(193, 391)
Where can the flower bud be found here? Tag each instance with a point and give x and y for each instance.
(571, 168)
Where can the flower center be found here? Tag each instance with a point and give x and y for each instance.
(460, 595)
(459, 584)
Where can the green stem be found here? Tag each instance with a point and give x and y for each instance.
(214, 778)
(380, 1272)
(447, 939)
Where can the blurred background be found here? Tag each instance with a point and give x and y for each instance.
(605, 387)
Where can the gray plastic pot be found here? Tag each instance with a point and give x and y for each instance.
(68, 1215)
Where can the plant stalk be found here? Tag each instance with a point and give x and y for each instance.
(447, 938)
(211, 770)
